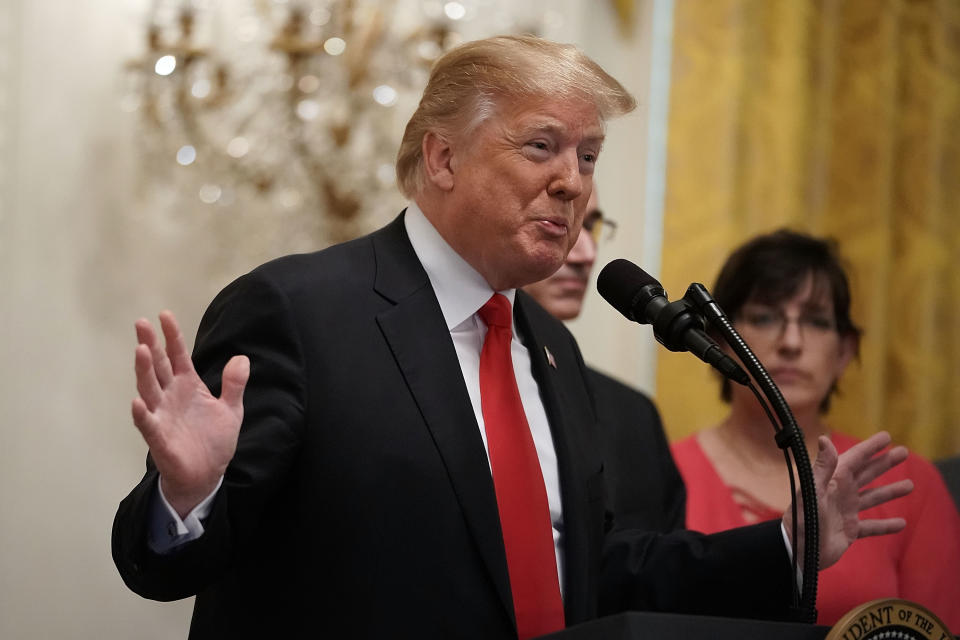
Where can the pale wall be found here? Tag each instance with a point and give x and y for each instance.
(68, 448)
(628, 175)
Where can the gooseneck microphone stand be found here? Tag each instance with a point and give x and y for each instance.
(788, 436)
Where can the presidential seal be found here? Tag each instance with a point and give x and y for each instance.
(889, 619)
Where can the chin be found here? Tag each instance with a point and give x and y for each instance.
(563, 309)
(800, 401)
(543, 267)
(525, 265)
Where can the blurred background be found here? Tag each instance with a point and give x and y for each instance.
(151, 151)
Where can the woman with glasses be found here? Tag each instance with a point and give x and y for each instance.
(788, 296)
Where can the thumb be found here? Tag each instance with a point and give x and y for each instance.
(825, 464)
(235, 376)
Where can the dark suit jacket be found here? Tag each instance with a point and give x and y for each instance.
(950, 470)
(644, 487)
(360, 503)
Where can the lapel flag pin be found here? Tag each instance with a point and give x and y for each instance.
(550, 359)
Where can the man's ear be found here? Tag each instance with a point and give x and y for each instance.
(438, 161)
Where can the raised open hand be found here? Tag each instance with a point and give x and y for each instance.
(192, 435)
(840, 495)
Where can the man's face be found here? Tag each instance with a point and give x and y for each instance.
(520, 188)
(562, 293)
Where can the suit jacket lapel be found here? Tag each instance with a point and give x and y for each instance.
(558, 371)
(415, 329)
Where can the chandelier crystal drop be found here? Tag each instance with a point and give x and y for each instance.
(295, 105)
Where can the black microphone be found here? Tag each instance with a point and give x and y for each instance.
(676, 325)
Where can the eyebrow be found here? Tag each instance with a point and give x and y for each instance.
(809, 305)
(549, 126)
(824, 306)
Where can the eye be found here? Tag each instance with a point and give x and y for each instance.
(588, 162)
(818, 323)
(538, 150)
(761, 319)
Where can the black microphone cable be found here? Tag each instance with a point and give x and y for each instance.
(788, 437)
(678, 326)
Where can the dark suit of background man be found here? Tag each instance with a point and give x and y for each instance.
(319, 469)
(643, 485)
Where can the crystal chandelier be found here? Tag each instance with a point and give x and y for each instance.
(295, 106)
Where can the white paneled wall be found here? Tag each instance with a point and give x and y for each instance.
(630, 178)
(69, 452)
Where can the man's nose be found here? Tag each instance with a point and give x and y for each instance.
(567, 181)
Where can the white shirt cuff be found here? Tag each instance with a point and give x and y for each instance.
(167, 530)
(786, 542)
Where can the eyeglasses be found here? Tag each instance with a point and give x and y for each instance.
(600, 229)
(770, 324)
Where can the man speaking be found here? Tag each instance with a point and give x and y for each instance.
(386, 439)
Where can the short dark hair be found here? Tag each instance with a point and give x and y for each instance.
(771, 268)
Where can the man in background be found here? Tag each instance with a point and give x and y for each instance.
(642, 480)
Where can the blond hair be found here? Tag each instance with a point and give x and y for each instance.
(467, 83)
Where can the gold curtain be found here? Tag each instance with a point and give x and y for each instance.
(841, 118)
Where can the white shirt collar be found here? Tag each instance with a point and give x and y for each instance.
(460, 289)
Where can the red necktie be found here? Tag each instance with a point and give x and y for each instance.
(521, 495)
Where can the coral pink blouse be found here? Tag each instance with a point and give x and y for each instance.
(921, 563)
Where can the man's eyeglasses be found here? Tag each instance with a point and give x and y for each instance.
(770, 324)
(600, 229)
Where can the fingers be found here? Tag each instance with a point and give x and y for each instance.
(880, 527)
(235, 376)
(161, 364)
(825, 464)
(153, 365)
(859, 454)
(872, 497)
(879, 465)
(145, 421)
(147, 384)
(176, 348)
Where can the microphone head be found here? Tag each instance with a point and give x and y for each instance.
(620, 283)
